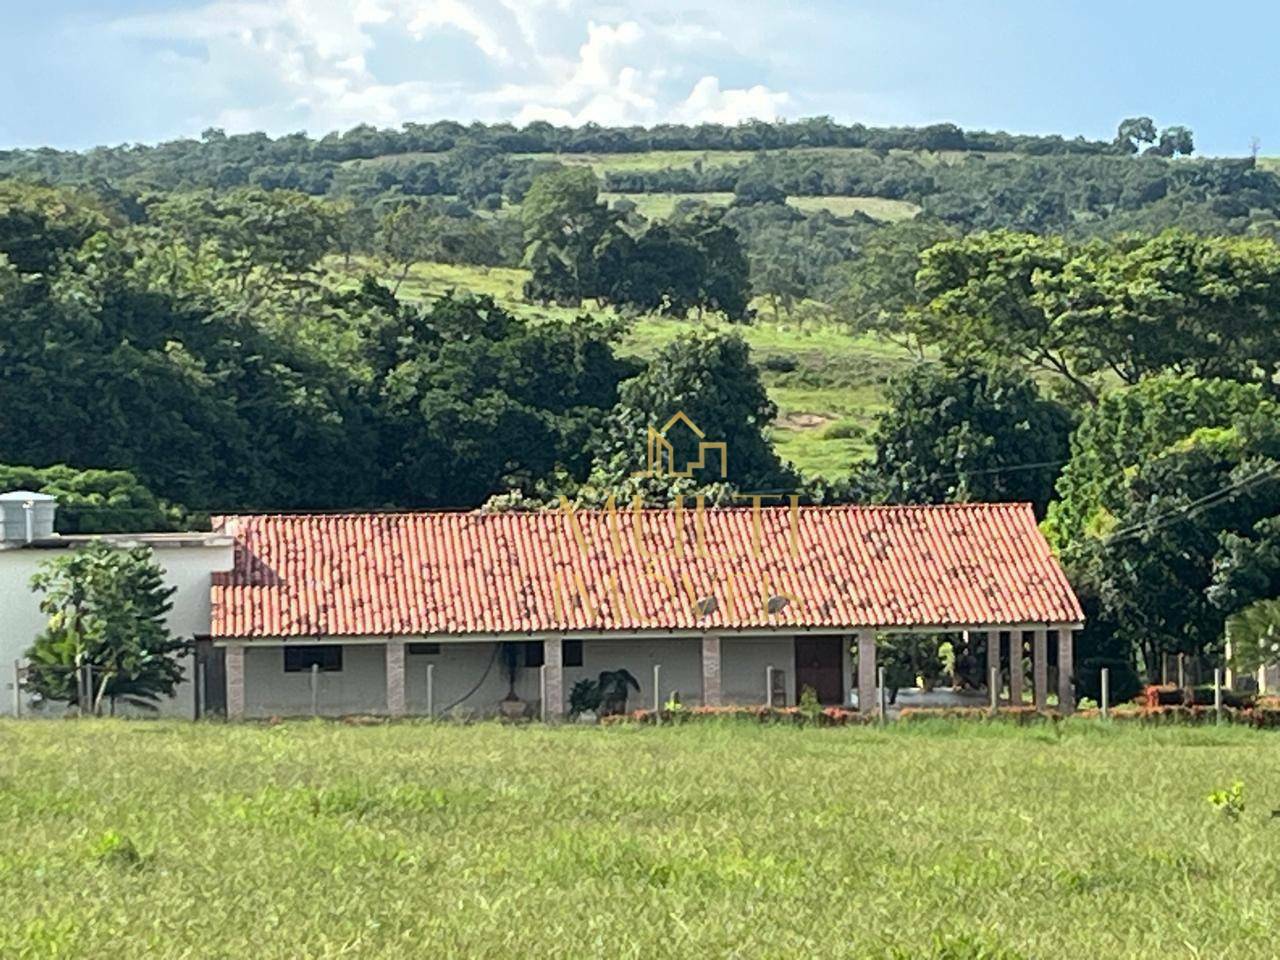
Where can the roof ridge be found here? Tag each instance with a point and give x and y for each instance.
(732, 508)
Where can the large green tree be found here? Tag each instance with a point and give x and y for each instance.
(1168, 511)
(106, 610)
(711, 380)
(1124, 310)
(971, 433)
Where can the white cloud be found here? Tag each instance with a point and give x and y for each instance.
(709, 104)
(281, 65)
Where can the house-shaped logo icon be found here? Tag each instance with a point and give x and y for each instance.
(660, 452)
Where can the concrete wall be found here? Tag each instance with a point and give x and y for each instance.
(457, 670)
(681, 662)
(188, 568)
(469, 680)
(743, 668)
(360, 687)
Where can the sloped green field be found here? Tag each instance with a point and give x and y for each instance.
(827, 382)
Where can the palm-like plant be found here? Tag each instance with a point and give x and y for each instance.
(613, 686)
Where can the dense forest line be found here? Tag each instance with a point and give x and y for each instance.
(219, 159)
(181, 333)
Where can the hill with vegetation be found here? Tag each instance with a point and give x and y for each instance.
(452, 316)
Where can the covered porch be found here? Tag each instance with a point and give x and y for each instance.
(472, 676)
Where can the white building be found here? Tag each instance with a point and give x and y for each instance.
(27, 539)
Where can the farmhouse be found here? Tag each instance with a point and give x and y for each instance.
(413, 613)
(435, 612)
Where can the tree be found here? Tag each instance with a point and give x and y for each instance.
(880, 290)
(564, 221)
(1135, 131)
(1168, 511)
(711, 380)
(970, 433)
(1128, 428)
(38, 224)
(403, 239)
(1175, 141)
(473, 401)
(106, 610)
(981, 300)
(1129, 309)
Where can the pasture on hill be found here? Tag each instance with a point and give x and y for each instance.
(415, 839)
(827, 382)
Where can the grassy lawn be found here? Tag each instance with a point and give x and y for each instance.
(828, 402)
(314, 839)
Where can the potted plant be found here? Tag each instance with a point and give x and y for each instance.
(613, 686)
(511, 706)
(584, 701)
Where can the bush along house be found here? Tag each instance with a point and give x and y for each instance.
(440, 613)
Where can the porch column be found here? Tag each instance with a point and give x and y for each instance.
(235, 681)
(1066, 670)
(553, 672)
(710, 670)
(395, 678)
(1040, 666)
(1015, 667)
(993, 661)
(866, 671)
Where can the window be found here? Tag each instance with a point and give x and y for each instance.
(328, 657)
(533, 653)
(572, 653)
(423, 649)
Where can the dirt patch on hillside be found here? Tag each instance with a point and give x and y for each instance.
(803, 421)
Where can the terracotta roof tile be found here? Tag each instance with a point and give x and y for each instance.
(457, 573)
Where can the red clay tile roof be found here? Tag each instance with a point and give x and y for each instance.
(459, 573)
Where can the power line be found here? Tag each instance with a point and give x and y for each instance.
(1152, 524)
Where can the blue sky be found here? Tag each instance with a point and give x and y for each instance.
(83, 72)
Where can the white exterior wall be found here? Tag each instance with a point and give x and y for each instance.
(360, 687)
(681, 661)
(189, 568)
(463, 687)
(744, 662)
(456, 670)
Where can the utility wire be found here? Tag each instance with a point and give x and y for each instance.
(1152, 524)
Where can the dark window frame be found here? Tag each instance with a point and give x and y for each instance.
(299, 658)
(571, 653)
(422, 649)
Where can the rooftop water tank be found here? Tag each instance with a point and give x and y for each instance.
(25, 516)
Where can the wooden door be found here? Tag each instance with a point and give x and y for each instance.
(819, 664)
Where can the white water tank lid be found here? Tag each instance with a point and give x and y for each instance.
(22, 496)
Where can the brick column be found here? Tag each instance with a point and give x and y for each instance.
(395, 678)
(235, 682)
(1040, 666)
(1016, 676)
(866, 671)
(993, 660)
(710, 670)
(1066, 670)
(553, 683)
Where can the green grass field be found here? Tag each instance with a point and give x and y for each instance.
(315, 839)
(662, 205)
(827, 405)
